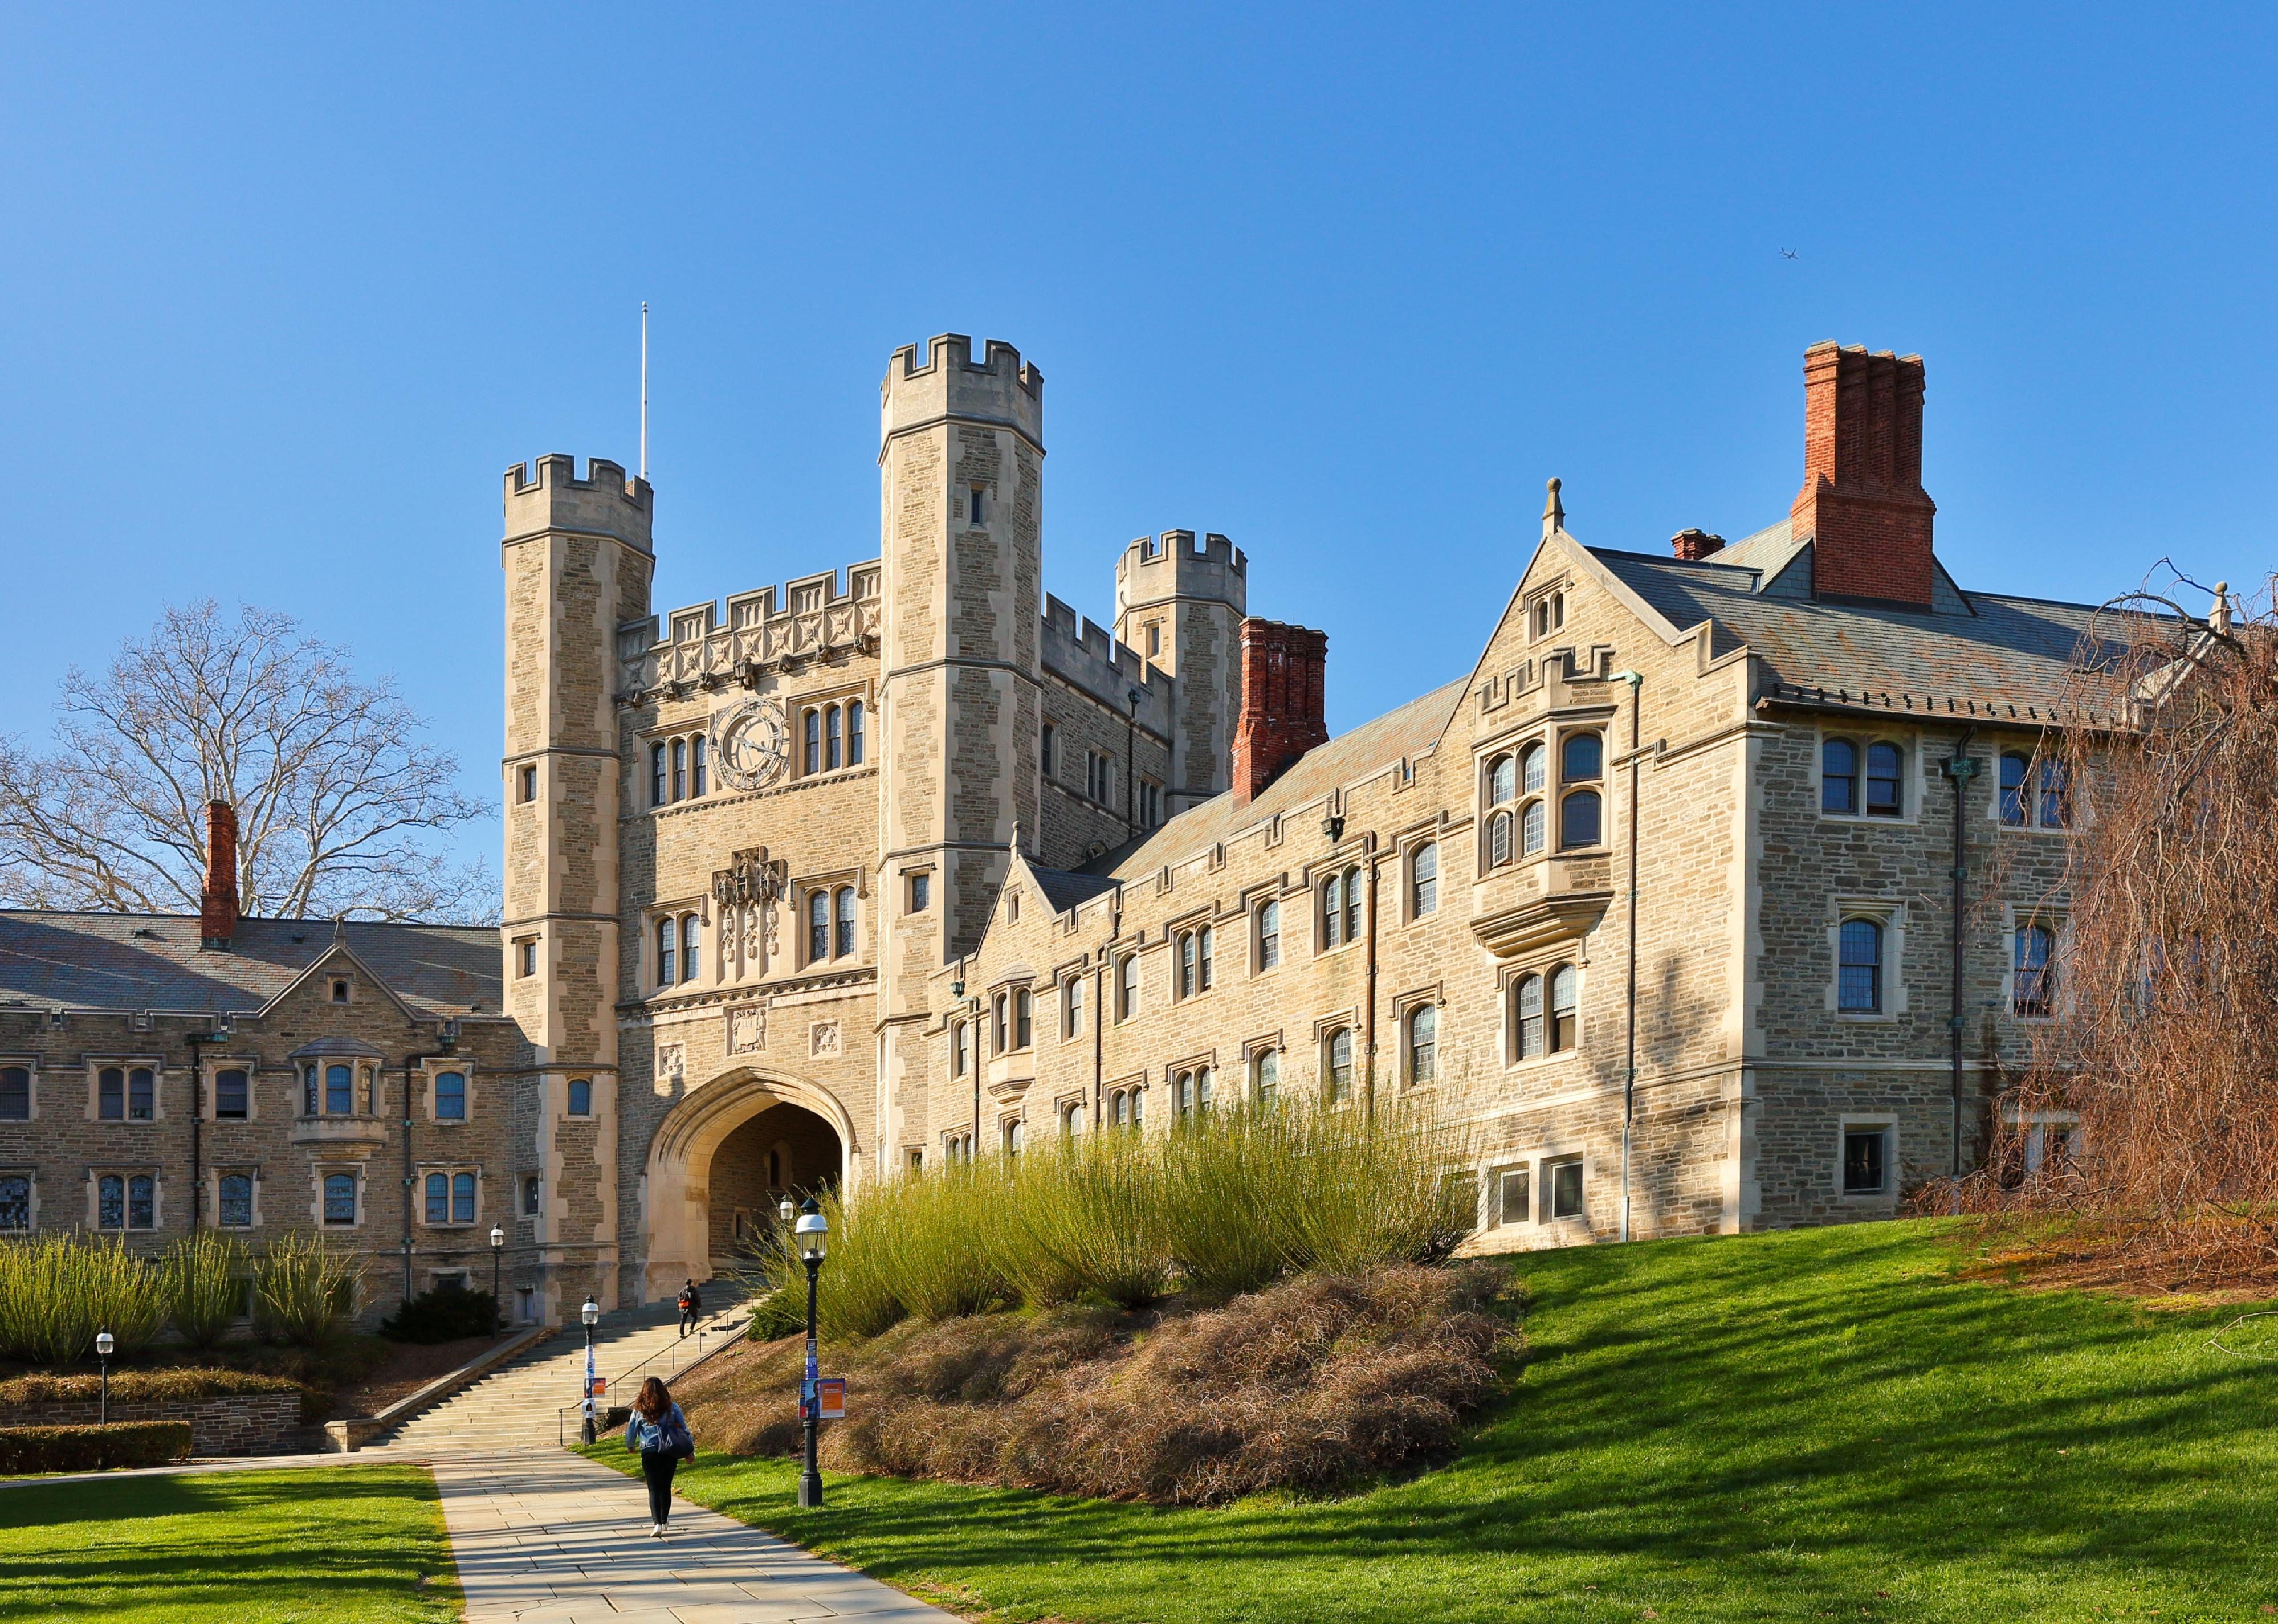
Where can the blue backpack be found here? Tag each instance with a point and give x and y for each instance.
(672, 1436)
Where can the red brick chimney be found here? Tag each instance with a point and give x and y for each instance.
(1862, 502)
(1693, 545)
(218, 901)
(1281, 711)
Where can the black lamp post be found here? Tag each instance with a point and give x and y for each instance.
(812, 1233)
(498, 1308)
(591, 1314)
(104, 1344)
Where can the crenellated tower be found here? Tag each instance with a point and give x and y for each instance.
(960, 473)
(579, 560)
(1180, 604)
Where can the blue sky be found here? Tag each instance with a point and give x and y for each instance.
(282, 291)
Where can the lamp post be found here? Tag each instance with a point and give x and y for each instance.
(498, 1308)
(812, 1233)
(104, 1344)
(591, 1314)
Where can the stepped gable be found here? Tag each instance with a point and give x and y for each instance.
(153, 961)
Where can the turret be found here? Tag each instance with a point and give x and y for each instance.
(1180, 604)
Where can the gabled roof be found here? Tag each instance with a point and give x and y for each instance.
(127, 961)
(1064, 889)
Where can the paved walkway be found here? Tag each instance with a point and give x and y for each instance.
(543, 1537)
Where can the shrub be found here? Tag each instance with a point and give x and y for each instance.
(302, 1288)
(444, 1314)
(87, 1449)
(206, 1286)
(139, 1386)
(57, 1291)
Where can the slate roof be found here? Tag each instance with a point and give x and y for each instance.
(1065, 890)
(1980, 654)
(118, 961)
(1347, 758)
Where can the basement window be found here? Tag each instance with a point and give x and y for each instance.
(1564, 1179)
(1866, 1160)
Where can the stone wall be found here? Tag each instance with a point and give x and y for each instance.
(257, 1423)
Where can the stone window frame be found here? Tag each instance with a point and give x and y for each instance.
(1343, 870)
(30, 1065)
(1012, 1005)
(1546, 1165)
(830, 885)
(529, 1197)
(676, 914)
(2037, 762)
(525, 957)
(363, 1082)
(1890, 914)
(677, 766)
(1129, 977)
(210, 1087)
(1072, 1108)
(526, 783)
(961, 1057)
(1541, 965)
(917, 889)
(1405, 1006)
(320, 1171)
(569, 1113)
(1561, 789)
(1545, 609)
(1325, 1036)
(2036, 1125)
(1067, 1004)
(1123, 1100)
(1012, 1132)
(1048, 738)
(449, 1171)
(127, 1064)
(1497, 1188)
(1913, 785)
(1254, 1050)
(1197, 934)
(1253, 912)
(211, 1195)
(430, 1070)
(128, 1171)
(30, 1175)
(1411, 852)
(1191, 1069)
(2057, 922)
(845, 716)
(1846, 1124)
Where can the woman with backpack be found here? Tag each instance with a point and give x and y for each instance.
(659, 1432)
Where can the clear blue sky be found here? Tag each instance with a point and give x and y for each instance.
(283, 292)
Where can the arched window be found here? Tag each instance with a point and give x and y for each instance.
(111, 1202)
(656, 785)
(1578, 820)
(1423, 880)
(1120, 1108)
(668, 951)
(1265, 1078)
(1340, 1066)
(1127, 987)
(141, 1094)
(581, 1097)
(832, 758)
(1202, 957)
(1071, 1121)
(309, 1091)
(339, 1091)
(1531, 831)
(111, 1094)
(845, 946)
(680, 769)
(811, 757)
(818, 926)
(691, 946)
(1203, 1089)
(1838, 776)
(1886, 791)
(339, 1198)
(1269, 935)
(1534, 769)
(1565, 1029)
(699, 777)
(1526, 999)
(1502, 781)
(1138, 1108)
(1422, 1043)
(1024, 1024)
(1580, 759)
(1182, 1091)
(233, 1095)
(1499, 838)
(463, 1198)
(961, 1049)
(438, 1199)
(1352, 904)
(1072, 1007)
(2013, 769)
(1186, 964)
(775, 1170)
(234, 1209)
(2033, 992)
(1000, 1037)
(450, 1096)
(854, 732)
(1859, 972)
(1333, 911)
(2056, 794)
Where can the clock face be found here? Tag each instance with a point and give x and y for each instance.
(752, 742)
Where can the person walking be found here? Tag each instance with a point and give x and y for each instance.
(659, 1432)
(691, 1306)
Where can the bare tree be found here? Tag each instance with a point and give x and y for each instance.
(338, 799)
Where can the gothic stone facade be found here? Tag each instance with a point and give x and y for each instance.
(906, 861)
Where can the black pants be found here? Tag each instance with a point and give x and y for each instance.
(657, 1468)
(687, 1320)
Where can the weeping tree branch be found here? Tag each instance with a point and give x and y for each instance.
(339, 800)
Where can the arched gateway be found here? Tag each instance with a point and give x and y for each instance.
(721, 1161)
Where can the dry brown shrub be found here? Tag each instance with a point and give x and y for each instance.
(1312, 1384)
(2164, 1046)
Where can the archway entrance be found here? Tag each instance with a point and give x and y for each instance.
(784, 1150)
(759, 1137)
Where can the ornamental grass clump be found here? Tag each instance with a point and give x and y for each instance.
(207, 1286)
(1090, 1210)
(302, 1288)
(57, 1291)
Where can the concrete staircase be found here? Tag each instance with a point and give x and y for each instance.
(515, 1406)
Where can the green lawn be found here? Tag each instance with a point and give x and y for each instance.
(1824, 1423)
(339, 1545)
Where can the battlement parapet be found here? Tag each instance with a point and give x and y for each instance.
(812, 619)
(547, 495)
(1154, 568)
(1082, 654)
(999, 388)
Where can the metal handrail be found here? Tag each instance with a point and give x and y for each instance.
(561, 1414)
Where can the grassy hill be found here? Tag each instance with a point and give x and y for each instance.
(1827, 1423)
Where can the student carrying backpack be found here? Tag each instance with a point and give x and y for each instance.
(691, 1306)
(659, 1432)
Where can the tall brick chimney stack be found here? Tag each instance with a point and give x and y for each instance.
(1692, 546)
(1862, 501)
(1283, 714)
(218, 901)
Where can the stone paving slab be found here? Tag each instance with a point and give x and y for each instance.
(554, 1538)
